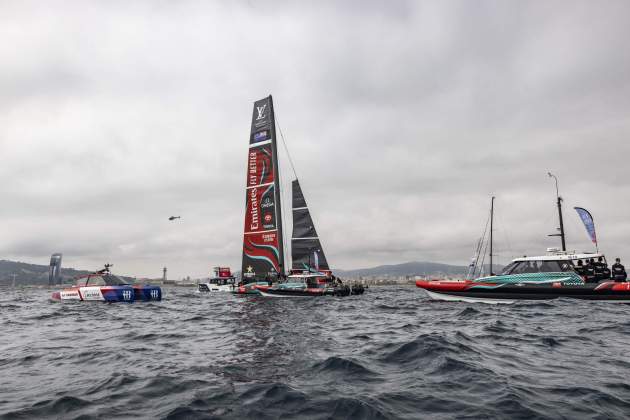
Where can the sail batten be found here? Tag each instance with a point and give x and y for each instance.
(263, 253)
(306, 249)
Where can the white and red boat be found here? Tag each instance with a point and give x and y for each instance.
(223, 281)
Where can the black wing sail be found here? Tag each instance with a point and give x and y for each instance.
(306, 250)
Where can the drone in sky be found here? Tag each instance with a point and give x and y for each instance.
(174, 217)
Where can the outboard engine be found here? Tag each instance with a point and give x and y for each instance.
(357, 289)
(342, 290)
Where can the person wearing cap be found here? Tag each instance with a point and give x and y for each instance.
(589, 271)
(618, 271)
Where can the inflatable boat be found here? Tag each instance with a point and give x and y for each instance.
(532, 278)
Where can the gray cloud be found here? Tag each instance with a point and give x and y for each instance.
(402, 118)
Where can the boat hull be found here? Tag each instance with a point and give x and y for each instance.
(272, 292)
(123, 293)
(251, 289)
(305, 292)
(213, 288)
(469, 291)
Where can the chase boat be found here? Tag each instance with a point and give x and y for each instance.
(105, 287)
(307, 284)
(532, 278)
(223, 281)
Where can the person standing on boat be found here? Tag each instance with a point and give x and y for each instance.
(619, 271)
(589, 271)
(600, 269)
(607, 272)
(579, 268)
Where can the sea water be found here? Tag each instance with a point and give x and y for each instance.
(390, 353)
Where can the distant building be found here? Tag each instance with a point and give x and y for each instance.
(54, 270)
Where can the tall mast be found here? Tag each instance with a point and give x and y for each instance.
(491, 229)
(277, 189)
(561, 234)
(564, 244)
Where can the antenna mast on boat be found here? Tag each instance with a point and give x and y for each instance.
(491, 229)
(561, 234)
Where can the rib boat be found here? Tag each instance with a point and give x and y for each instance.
(103, 286)
(532, 278)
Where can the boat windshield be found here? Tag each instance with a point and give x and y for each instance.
(542, 266)
(112, 280)
(310, 281)
(222, 281)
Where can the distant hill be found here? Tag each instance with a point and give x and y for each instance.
(38, 274)
(415, 268)
(26, 273)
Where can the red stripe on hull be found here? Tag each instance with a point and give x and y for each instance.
(453, 286)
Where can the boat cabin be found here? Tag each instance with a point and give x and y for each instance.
(555, 262)
(222, 281)
(99, 279)
(311, 280)
(222, 276)
(322, 277)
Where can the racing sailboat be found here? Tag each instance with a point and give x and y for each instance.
(263, 247)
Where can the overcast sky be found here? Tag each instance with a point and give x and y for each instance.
(402, 119)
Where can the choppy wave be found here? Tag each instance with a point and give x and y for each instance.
(390, 354)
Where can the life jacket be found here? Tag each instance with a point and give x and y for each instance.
(601, 271)
(589, 272)
(619, 272)
(599, 268)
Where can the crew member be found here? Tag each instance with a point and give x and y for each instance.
(579, 268)
(606, 271)
(589, 271)
(600, 268)
(280, 274)
(619, 271)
